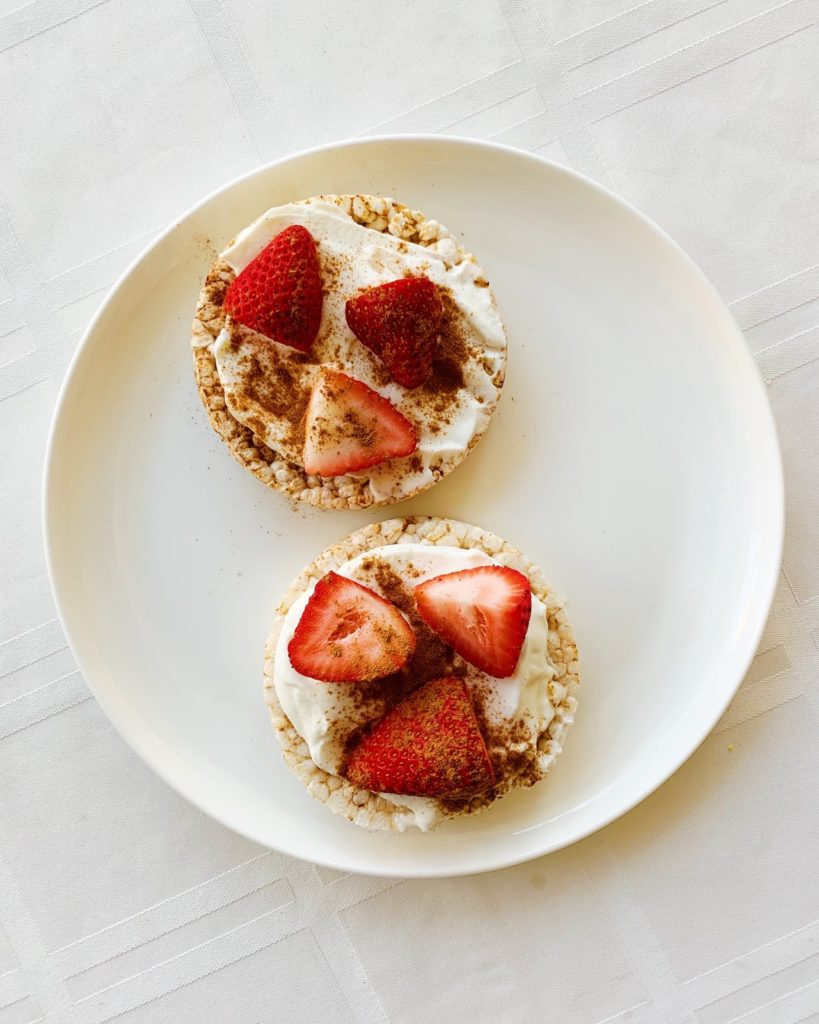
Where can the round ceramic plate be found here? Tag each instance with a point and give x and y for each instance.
(633, 456)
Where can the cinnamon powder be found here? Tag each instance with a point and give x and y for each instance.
(509, 744)
(274, 381)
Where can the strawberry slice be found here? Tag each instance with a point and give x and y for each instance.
(399, 322)
(350, 427)
(348, 633)
(483, 613)
(278, 293)
(428, 745)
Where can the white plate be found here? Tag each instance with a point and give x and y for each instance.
(633, 456)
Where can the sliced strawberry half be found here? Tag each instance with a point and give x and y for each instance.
(279, 292)
(348, 633)
(428, 745)
(350, 427)
(399, 322)
(482, 613)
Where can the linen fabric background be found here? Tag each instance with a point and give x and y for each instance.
(118, 900)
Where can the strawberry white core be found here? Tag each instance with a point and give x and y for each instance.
(326, 714)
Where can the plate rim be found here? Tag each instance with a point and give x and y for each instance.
(774, 473)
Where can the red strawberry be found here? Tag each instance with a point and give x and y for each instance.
(399, 322)
(279, 292)
(349, 427)
(428, 745)
(348, 633)
(483, 613)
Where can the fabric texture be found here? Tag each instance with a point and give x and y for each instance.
(118, 900)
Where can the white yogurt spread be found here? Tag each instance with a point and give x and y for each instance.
(353, 258)
(324, 714)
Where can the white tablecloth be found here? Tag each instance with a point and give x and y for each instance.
(118, 901)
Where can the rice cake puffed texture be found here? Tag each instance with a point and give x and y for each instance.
(372, 810)
(273, 467)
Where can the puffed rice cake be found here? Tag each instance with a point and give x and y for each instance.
(343, 492)
(371, 810)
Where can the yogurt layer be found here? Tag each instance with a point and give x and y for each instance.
(267, 385)
(515, 710)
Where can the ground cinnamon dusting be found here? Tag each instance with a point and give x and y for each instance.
(349, 425)
(216, 291)
(394, 642)
(509, 743)
(358, 429)
(272, 380)
(432, 658)
(441, 720)
(270, 400)
(437, 396)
